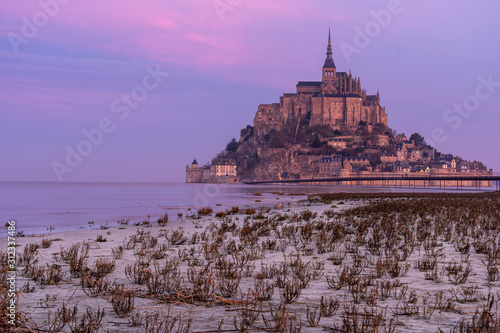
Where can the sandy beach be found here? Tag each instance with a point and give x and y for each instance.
(327, 263)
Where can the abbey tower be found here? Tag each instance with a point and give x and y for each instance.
(337, 101)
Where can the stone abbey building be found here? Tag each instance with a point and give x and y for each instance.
(337, 101)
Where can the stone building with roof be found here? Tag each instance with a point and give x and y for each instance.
(222, 170)
(225, 167)
(330, 165)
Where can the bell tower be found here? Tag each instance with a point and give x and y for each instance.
(329, 69)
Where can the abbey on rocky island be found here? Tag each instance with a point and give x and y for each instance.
(338, 101)
(330, 128)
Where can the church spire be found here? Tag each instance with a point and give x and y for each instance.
(329, 50)
(329, 60)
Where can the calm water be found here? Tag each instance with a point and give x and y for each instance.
(69, 206)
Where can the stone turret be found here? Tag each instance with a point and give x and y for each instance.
(193, 173)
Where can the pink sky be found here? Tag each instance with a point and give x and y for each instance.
(64, 79)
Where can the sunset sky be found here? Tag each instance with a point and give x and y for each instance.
(66, 65)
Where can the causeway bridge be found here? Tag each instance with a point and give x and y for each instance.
(418, 180)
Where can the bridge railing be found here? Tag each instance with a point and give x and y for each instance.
(414, 176)
(398, 177)
(424, 175)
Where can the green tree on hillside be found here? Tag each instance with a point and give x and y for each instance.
(232, 145)
(419, 140)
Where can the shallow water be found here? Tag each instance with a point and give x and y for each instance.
(36, 206)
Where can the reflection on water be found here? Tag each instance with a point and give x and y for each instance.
(72, 205)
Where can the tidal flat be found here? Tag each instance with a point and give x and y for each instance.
(340, 262)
